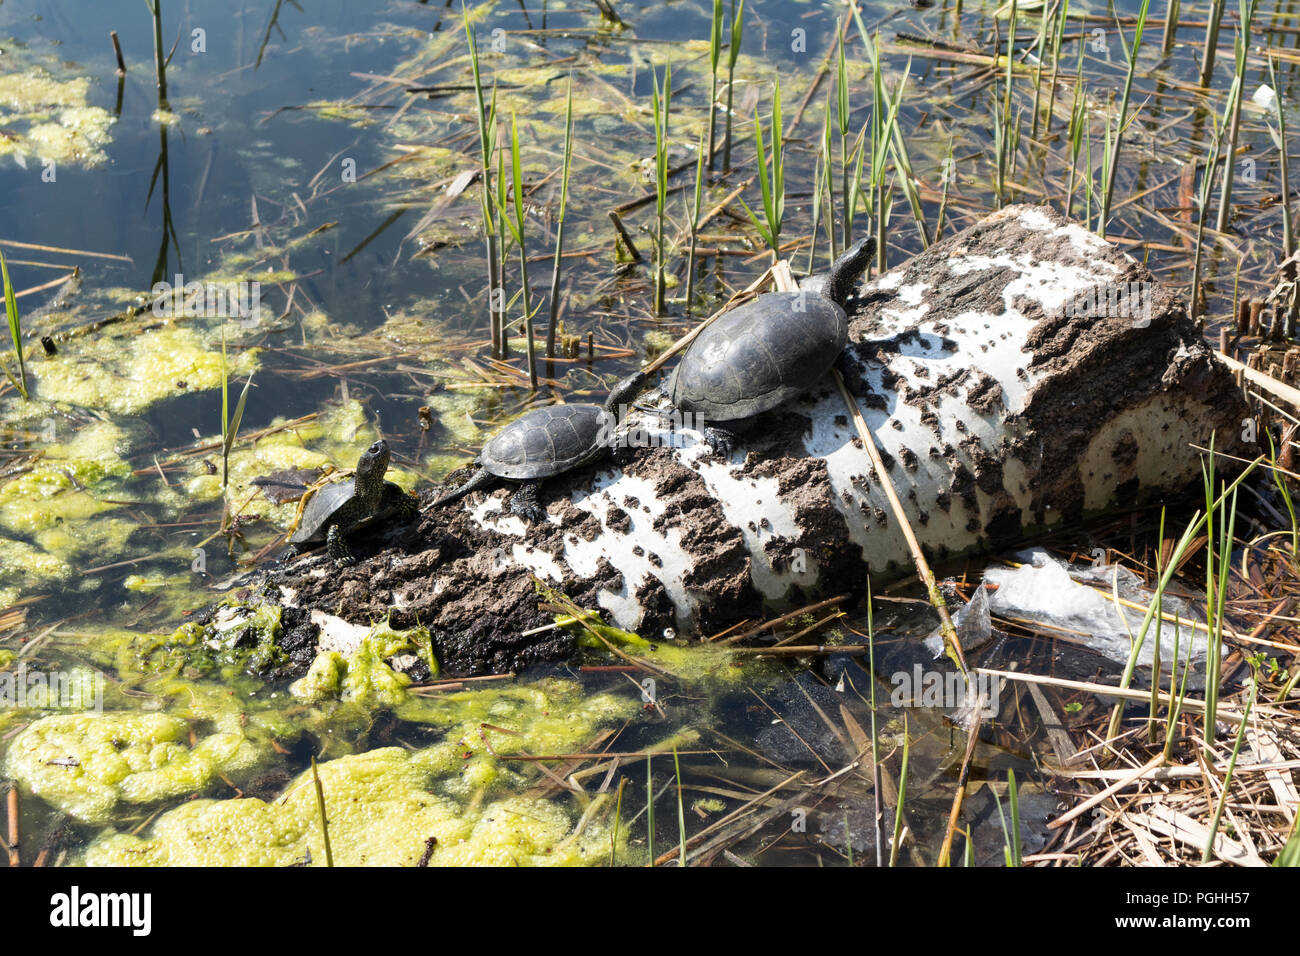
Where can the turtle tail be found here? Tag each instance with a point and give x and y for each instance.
(844, 273)
(479, 479)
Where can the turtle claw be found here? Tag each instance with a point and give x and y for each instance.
(719, 442)
(525, 504)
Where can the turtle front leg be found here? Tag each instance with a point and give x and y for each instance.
(408, 508)
(524, 502)
(720, 441)
(288, 554)
(337, 548)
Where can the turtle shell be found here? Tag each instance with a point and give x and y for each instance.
(759, 355)
(548, 441)
(332, 504)
(324, 504)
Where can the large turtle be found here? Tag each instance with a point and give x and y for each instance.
(765, 352)
(338, 509)
(546, 442)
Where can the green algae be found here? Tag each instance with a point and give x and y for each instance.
(383, 805)
(381, 813)
(239, 639)
(66, 482)
(28, 566)
(51, 119)
(88, 765)
(365, 677)
(125, 375)
(692, 662)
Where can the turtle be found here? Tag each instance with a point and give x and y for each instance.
(339, 509)
(765, 352)
(546, 442)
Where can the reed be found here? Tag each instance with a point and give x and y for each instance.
(1211, 45)
(618, 819)
(876, 772)
(515, 224)
(842, 116)
(1218, 565)
(1203, 205)
(1002, 146)
(697, 199)
(1208, 853)
(159, 57)
(650, 810)
(1171, 27)
(553, 321)
(1246, 11)
(896, 843)
(1285, 493)
(733, 52)
(15, 333)
(229, 424)
(771, 179)
(1182, 549)
(827, 182)
(1075, 134)
(949, 175)
(883, 126)
(1058, 37)
(487, 145)
(1011, 849)
(1279, 140)
(662, 102)
(1112, 167)
(320, 810)
(681, 810)
(715, 52)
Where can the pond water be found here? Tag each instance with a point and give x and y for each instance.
(324, 151)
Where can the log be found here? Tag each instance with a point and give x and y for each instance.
(1018, 375)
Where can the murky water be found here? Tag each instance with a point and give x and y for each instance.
(320, 152)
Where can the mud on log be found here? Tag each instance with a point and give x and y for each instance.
(1002, 404)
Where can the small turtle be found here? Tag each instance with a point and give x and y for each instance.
(765, 352)
(336, 510)
(544, 443)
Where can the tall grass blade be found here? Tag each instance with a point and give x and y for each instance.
(15, 332)
(559, 224)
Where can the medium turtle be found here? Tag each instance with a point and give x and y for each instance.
(544, 443)
(339, 509)
(765, 352)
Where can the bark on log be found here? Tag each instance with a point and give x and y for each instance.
(998, 407)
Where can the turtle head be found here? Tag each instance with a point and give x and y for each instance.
(844, 273)
(372, 464)
(625, 390)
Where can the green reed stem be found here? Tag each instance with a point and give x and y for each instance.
(733, 52)
(553, 321)
(15, 332)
